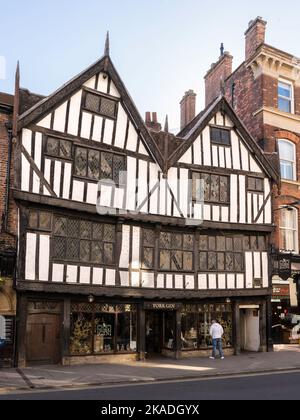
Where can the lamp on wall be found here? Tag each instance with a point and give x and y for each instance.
(91, 299)
(228, 300)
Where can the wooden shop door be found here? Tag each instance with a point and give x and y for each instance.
(43, 339)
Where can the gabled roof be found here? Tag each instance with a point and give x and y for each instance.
(194, 129)
(165, 148)
(44, 106)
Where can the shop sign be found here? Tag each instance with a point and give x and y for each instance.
(279, 290)
(162, 306)
(282, 265)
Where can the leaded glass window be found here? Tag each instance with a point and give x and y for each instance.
(176, 251)
(96, 165)
(148, 248)
(216, 187)
(221, 253)
(100, 105)
(80, 163)
(40, 220)
(59, 148)
(83, 240)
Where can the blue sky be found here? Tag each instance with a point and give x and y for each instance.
(161, 48)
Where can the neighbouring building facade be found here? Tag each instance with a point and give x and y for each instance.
(8, 232)
(265, 93)
(118, 255)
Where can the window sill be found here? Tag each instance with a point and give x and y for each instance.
(290, 181)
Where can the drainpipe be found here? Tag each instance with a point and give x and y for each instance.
(6, 204)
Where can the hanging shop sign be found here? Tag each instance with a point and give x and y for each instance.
(282, 265)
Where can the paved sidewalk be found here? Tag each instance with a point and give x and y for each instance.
(48, 377)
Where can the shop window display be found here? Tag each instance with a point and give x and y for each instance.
(102, 328)
(196, 323)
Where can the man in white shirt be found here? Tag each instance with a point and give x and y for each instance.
(216, 332)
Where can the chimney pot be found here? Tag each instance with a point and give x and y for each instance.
(255, 36)
(188, 108)
(151, 121)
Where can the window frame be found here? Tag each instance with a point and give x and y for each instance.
(114, 156)
(113, 309)
(170, 250)
(91, 240)
(216, 142)
(201, 175)
(292, 97)
(59, 155)
(226, 253)
(101, 96)
(293, 162)
(295, 230)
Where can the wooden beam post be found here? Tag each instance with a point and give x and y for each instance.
(21, 331)
(236, 329)
(66, 327)
(142, 332)
(270, 344)
(263, 326)
(178, 335)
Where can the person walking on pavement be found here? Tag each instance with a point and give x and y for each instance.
(216, 332)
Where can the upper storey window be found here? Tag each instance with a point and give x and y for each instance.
(220, 136)
(287, 154)
(96, 165)
(285, 96)
(100, 105)
(289, 230)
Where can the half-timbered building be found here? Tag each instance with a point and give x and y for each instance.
(131, 240)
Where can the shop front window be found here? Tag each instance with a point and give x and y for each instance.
(189, 337)
(81, 332)
(102, 328)
(126, 332)
(197, 320)
(104, 332)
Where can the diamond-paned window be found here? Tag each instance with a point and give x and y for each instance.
(80, 163)
(59, 148)
(93, 164)
(84, 241)
(92, 102)
(108, 107)
(174, 252)
(53, 146)
(216, 187)
(96, 165)
(222, 253)
(100, 105)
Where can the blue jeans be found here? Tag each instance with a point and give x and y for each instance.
(217, 344)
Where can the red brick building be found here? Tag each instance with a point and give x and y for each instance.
(265, 92)
(8, 230)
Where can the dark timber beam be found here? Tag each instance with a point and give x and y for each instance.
(164, 220)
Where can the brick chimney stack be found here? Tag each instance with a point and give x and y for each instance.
(188, 108)
(151, 121)
(216, 76)
(255, 36)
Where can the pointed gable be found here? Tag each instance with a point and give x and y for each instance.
(95, 106)
(217, 138)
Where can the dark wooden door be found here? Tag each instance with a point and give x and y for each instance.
(43, 339)
(154, 332)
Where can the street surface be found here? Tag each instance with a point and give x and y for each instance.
(280, 386)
